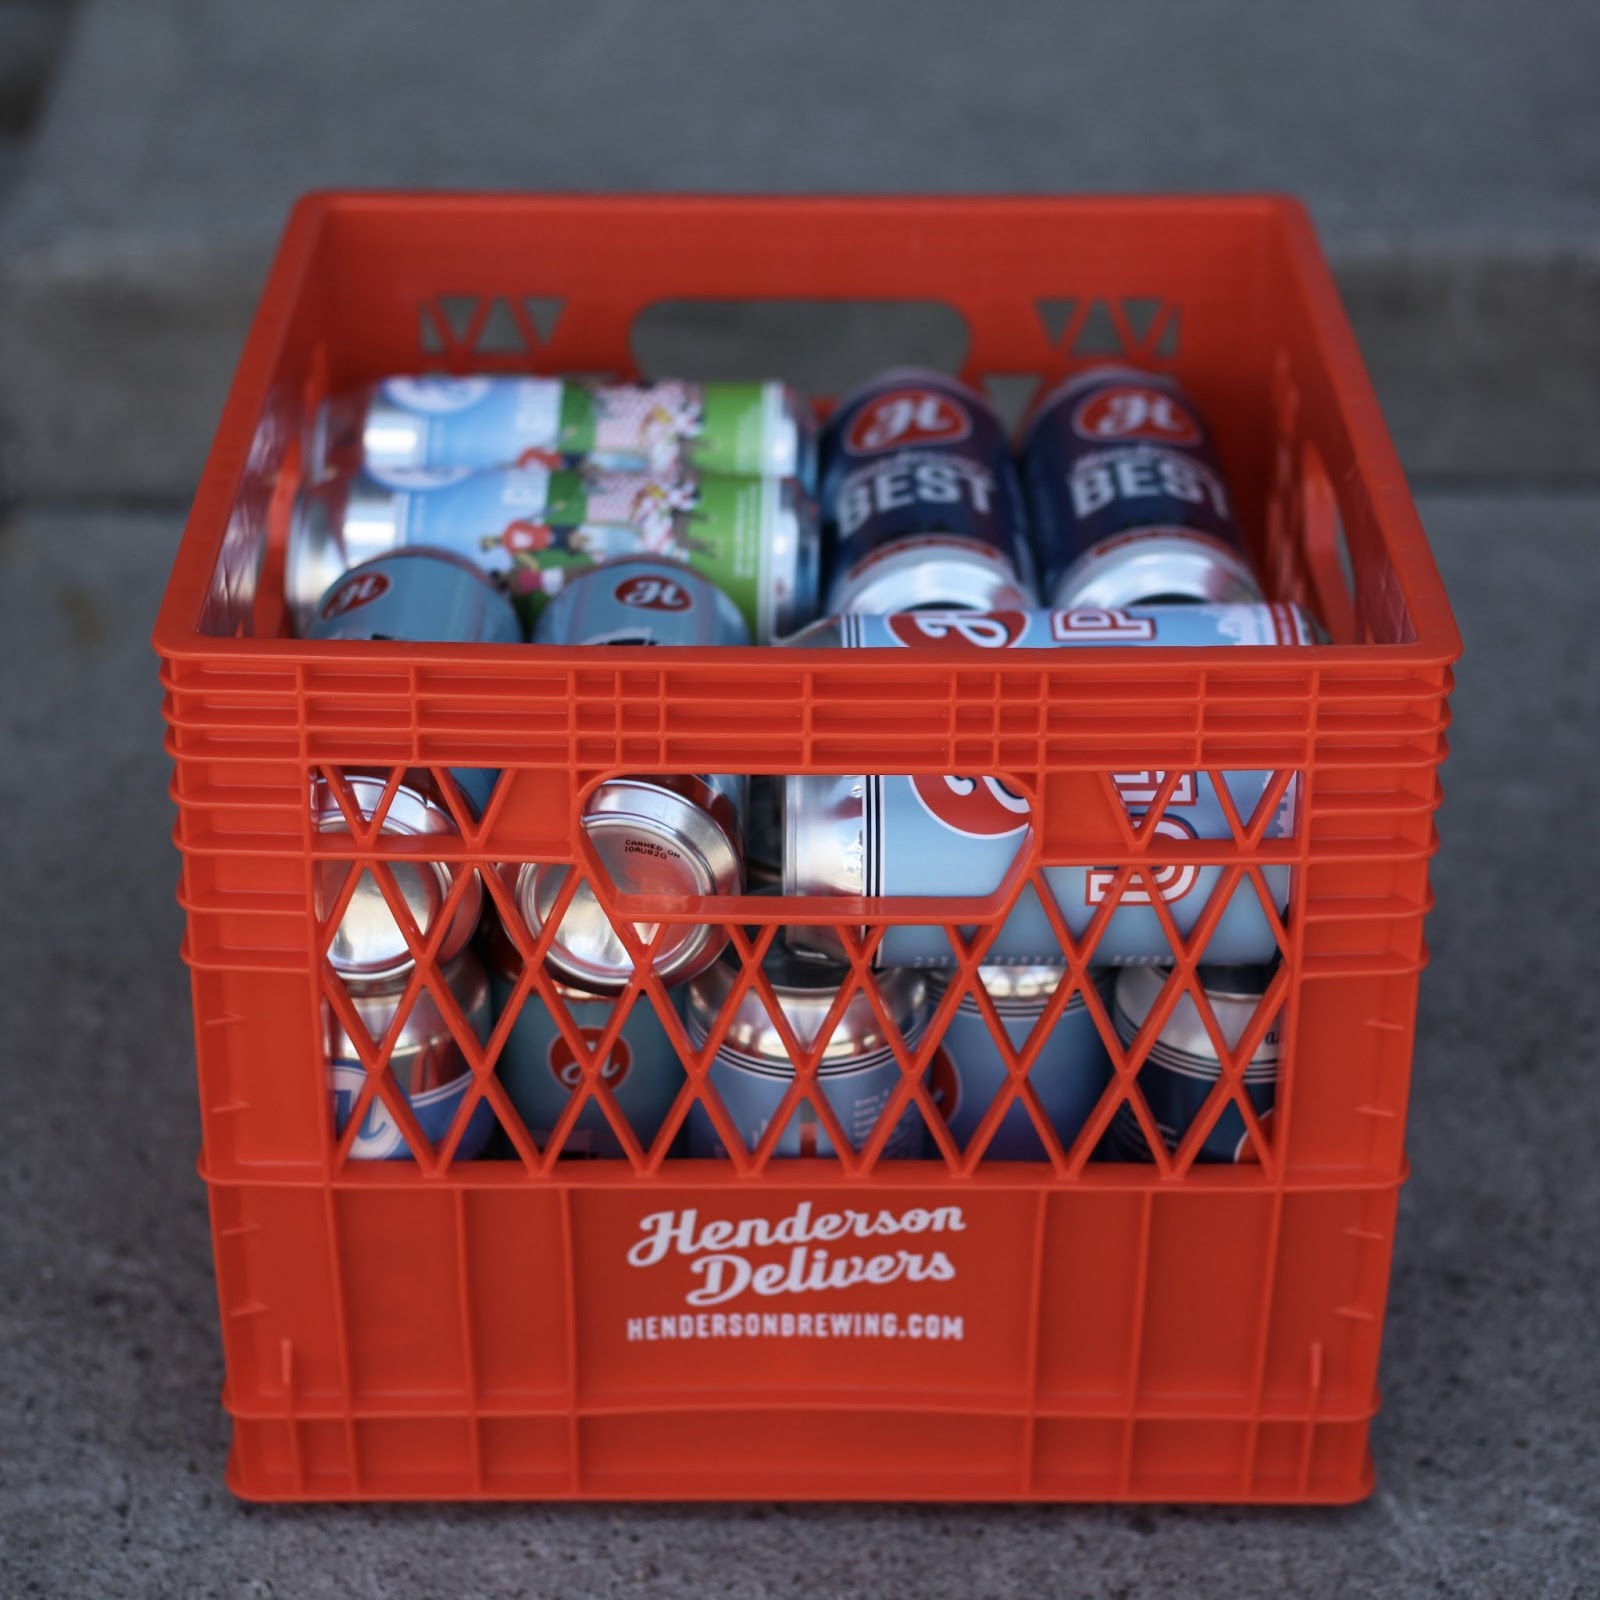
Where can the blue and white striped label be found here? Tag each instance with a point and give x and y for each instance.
(379, 1138)
(752, 1088)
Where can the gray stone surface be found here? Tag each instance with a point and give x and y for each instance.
(1453, 161)
(31, 32)
(112, 1450)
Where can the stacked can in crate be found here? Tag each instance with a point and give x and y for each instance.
(1133, 534)
(928, 549)
(417, 596)
(536, 480)
(920, 500)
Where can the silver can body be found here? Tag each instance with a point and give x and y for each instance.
(752, 1072)
(1069, 1074)
(920, 497)
(1182, 1068)
(368, 946)
(1126, 498)
(431, 420)
(426, 1064)
(540, 1071)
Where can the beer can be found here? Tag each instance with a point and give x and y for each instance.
(656, 834)
(541, 1073)
(533, 528)
(641, 600)
(903, 835)
(426, 1064)
(1069, 1073)
(422, 595)
(921, 500)
(741, 429)
(1182, 1068)
(752, 1071)
(660, 834)
(1126, 498)
(368, 946)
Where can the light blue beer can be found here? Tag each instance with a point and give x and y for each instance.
(540, 1071)
(876, 834)
(655, 833)
(427, 1065)
(752, 1071)
(482, 420)
(641, 600)
(1068, 1075)
(425, 596)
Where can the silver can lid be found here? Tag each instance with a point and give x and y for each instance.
(805, 991)
(1157, 565)
(1016, 991)
(368, 945)
(824, 819)
(655, 836)
(1014, 985)
(425, 1038)
(1233, 993)
(932, 573)
(336, 524)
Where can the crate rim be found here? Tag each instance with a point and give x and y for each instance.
(176, 634)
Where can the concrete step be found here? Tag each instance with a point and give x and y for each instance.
(1452, 160)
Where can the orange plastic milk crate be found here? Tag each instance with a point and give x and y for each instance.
(951, 1327)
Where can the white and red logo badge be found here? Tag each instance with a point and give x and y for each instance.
(360, 589)
(982, 807)
(1170, 880)
(903, 418)
(564, 1064)
(651, 593)
(960, 630)
(1134, 411)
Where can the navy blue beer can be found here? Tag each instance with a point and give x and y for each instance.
(920, 500)
(1069, 1074)
(1183, 1067)
(1126, 498)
